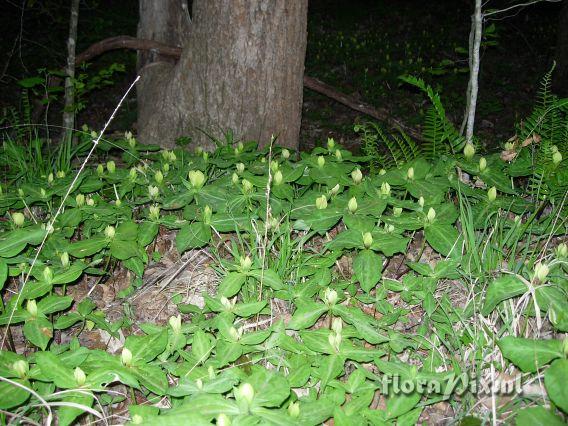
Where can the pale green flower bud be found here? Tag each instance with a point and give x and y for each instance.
(553, 149)
(236, 334)
(21, 193)
(421, 201)
(31, 307)
(50, 178)
(468, 151)
(321, 161)
(541, 271)
(118, 203)
(274, 166)
(410, 173)
(133, 174)
(226, 303)
(397, 211)
(240, 168)
(562, 251)
(158, 177)
(246, 263)
(357, 176)
(337, 325)
(431, 215)
(482, 164)
(211, 372)
(382, 172)
(335, 190)
(246, 392)
(80, 376)
(223, 420)
(21, 368)
(111, 166)
(247, 186)
(367, 239)
(154, 213)
(47, 274)
(385, 189)
(126, 357)
(330, 296)
(389, 229)
(90, 202)
(153, 192)
(285, 154)
(18, 219)
(206, 156)
(199, 384)
(94, 134)
(199, 150)
(175, 324)
(492, 194)
(137, 419)
(166, 167)
(352, 205)
(321, 202)
(110, 231)
(196, 178)
(330, 143)
(338, 155)
(556, 158)
(60, 174)
(207, 214)
(80, 200)
(42, 193)
(100, 170)
(278, 178)
(294, 409)
(64, 257)
(509, 146)
(235, 179)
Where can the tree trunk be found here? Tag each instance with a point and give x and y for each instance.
(69, 109)
(241, 70)
(560, 76)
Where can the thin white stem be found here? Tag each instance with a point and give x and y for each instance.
(474, 71)
(68, 111)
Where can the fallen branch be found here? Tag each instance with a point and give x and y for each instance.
(127, 42)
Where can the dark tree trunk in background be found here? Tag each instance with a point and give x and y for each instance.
(560, 77)
(241, 69)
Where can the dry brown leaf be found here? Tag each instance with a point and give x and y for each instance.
(508, 155)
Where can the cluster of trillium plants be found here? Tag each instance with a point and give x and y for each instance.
(280, 225)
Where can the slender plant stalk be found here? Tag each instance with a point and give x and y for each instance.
(474, 71)
(68, 111)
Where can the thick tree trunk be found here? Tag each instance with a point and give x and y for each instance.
(560, 77)
(241, 70)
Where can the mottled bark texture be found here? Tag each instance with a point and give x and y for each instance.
(241, 69)
(560, 76)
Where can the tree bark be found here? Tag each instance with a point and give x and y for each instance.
(69, 109)
(560, 77)
(241, 70)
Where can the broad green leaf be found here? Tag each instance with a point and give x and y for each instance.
(38, 331)
(126, 231)
(206, 405)
(231, 284)
(245, 310)
(122, 250)
(53, 368)
(268, 277)
(306, 314)
(401, 403)
(135, 265)
(331, 366)
(443, 238)
(192, 236)
(86, 248)
(146, 348)
(152, 377)
(66, 321)
(270, 388)
(67, 414)
(555, 380)
(147, 231)
(538, 416)
(53, 303)
(68, 275)
(368, 267)
(502, 288)
(3, 273)
(12, 395)
(35, 289)
(13, 242)
(202, 346)
(530, 355)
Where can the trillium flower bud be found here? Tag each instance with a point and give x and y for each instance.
(90, 202)
(410, 173)
(431, 215)
(223, 420)
(367, 239)
(278, 178)
(321, 202)
(389, 229)
(246, 263)
(468, 151)
(80, 376)
(352, 205)
(60, 174)
(294, 409)
(285, 154)
(42, 193)
(21, 368)
(321, 161)
(47, 274)
(382, 172)
(18, 219)
(196, 178)
(100, 170)
(338, 155)
(330, 143)
(335, 190)
(126, 357)
(118, 203)
(247, 186)
(541, 271)
(509, 146)
(492, 194)
(385, 189)
(556, 158)
(330, 296)
(153, 192)
(21, 193)
(50, 178)
(482, 164)
(111, 166)
(357, 176)
(80, 200)
(166, 167)
(235, 179)
(154, 213)
(158, 177)
(64, 259)
(274, 166)
(337, 325)
(199, 384)
(31, 307)
(562, 251)
(110, 231)
(207, 213)
(211, 372)
(397, 211)
(240, 168)
(235, 334)
(226, 303)
(421, 201)
(175, 324)
(246, 392)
